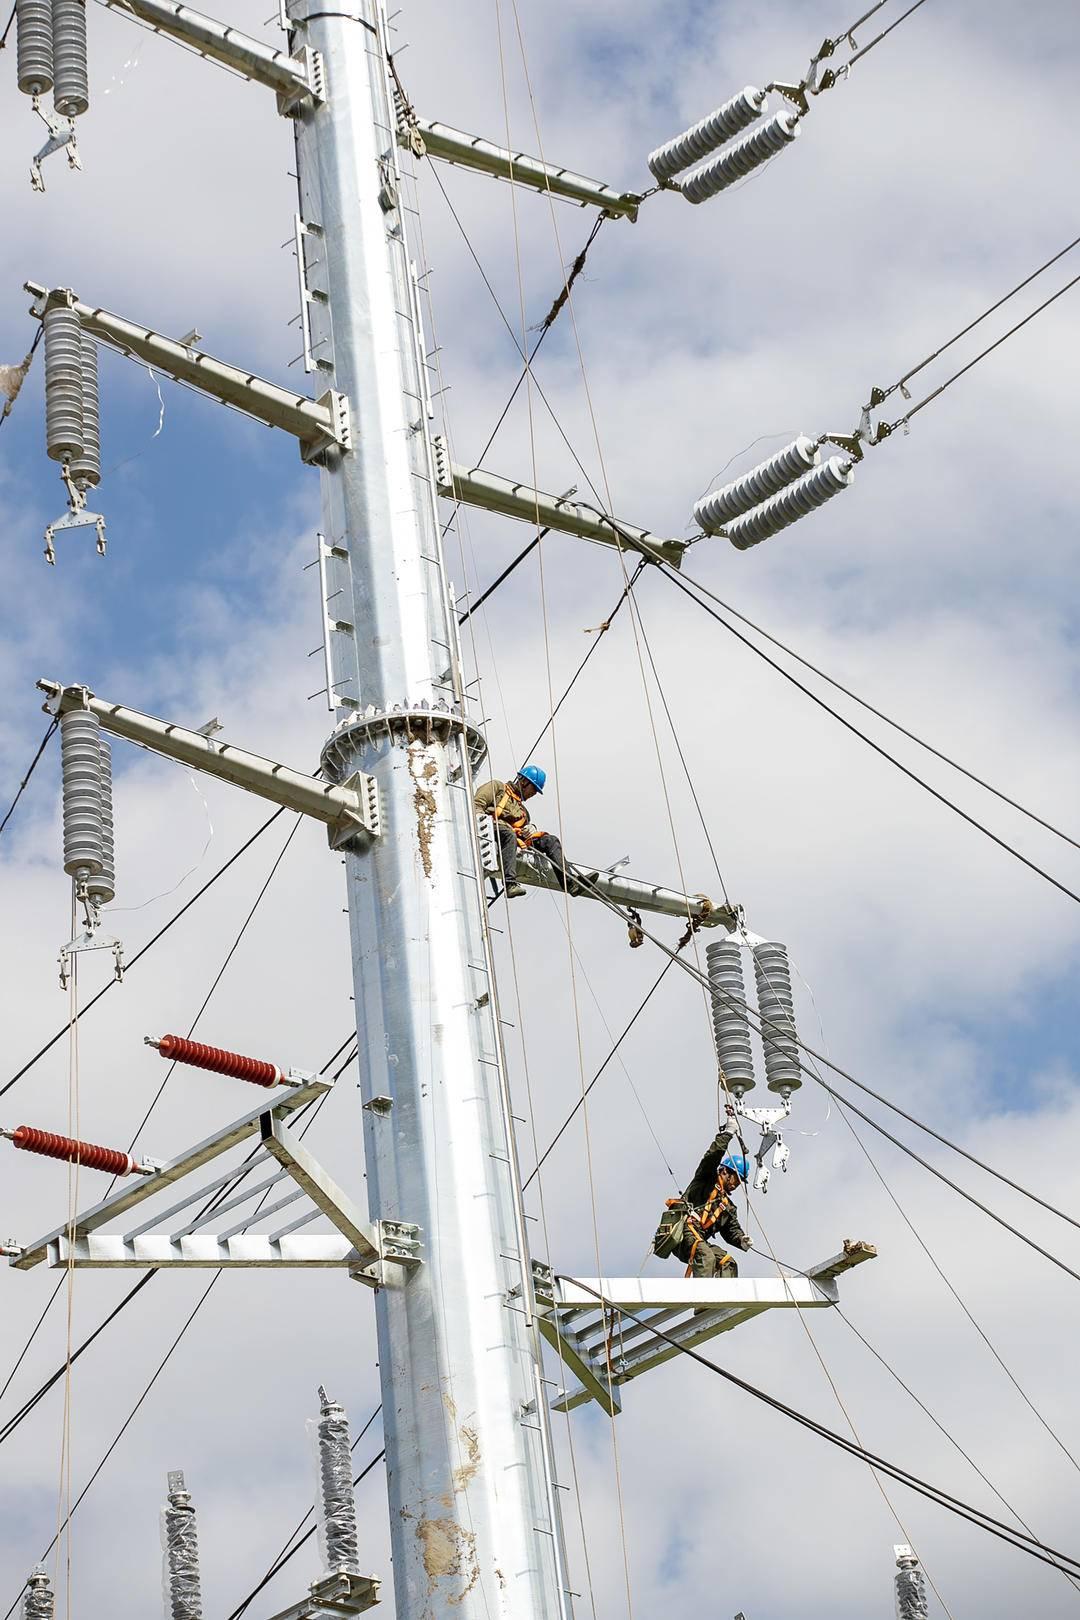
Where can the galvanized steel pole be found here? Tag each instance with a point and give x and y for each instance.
(473, 1509)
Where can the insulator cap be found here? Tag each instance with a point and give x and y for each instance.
(63, 383)
(739, 159)
(703, 138)
(718, 508)
(179, 1049)
(724, 959)
(88, 1154)
(798, 500)
(80, 765)
(776, 1007)
(71, 84)
(33, 41)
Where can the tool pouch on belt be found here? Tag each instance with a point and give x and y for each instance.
(672, 1231)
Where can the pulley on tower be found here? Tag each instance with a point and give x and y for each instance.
(51, 54)
(732, 1010)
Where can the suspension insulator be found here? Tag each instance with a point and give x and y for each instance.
(33, 42)
(86, 1154)
(717, 508)
(71, 82)
(338, 1539)
(85, 468)
(798, 500)
(80, 764)
(63, 383)
(179, 1049)
(696, 143)
(101, 888)
(739, 159)
(40, 1600)
(725, 965)
(776, 1007)
(181, 1583)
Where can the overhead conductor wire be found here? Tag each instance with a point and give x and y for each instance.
(29, 773)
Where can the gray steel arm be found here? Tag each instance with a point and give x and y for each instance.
(318, 424)
(293, 78)
(454, 146)
(628, 891)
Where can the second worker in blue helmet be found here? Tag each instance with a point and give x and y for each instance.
(705, 1211)
(505, 803)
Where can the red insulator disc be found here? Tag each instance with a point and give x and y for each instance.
(54, 1146)
(182, 1050)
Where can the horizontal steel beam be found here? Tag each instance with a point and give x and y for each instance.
(143, 1187)
(294, 79)
(474, 487)
(350, 811)
(628, 891)
(454, 146)
(318, 424)
(691, 1293)
(203, 1250)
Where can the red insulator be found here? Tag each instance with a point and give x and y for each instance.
(181, 1050)
(66, 1147)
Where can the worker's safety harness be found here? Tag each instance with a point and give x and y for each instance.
(693, 1224)
(519, 824)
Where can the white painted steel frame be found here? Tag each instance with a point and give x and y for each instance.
(474, 1521)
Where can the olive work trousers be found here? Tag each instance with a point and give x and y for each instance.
(547, 844)
(708, 1261)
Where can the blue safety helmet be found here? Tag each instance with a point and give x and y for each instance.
(738, 1163)
(533, 774)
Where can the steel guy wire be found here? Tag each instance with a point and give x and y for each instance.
(493, 587)
(889, 721)
(235, 856)
(1062, 1561)
(885, 32)
(1010, 849)
(282, 1557)
(29, 773)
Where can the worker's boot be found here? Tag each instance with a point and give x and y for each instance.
(514, 890)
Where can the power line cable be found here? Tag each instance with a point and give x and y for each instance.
(838, 686)
(849, 725)
(1061, 1561)
(493, 587)
(29, 773)
(885, 32)
(152, 941)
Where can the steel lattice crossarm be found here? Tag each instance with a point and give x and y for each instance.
(583, 1321)
(360, 1247)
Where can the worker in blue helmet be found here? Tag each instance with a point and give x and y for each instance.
(505, 803)
(706, 1210)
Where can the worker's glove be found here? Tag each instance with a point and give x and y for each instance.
(744, 1242)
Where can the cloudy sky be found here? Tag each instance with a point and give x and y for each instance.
(938, 588)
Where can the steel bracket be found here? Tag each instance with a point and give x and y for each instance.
(340, 1594)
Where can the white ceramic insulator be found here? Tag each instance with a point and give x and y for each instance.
(717, 508)
(720, 126)
(80, 765)
(102, 886)
(739, 159)
(798, 500)
(725, 965)
(71, 81)
(911, 1600)
(63, 383)
(33, 41)
(776, 1008)
(86, 467)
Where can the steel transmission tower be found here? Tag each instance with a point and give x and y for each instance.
(467, 1439)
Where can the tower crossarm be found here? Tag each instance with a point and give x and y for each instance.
(294, 79)
(474, 487)
(318, 424)
(472, 152)
(633, 893)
